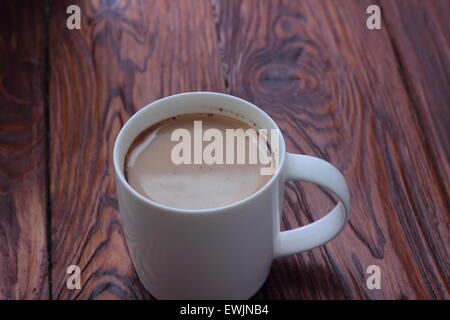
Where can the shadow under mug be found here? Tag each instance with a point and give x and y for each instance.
(225, 252)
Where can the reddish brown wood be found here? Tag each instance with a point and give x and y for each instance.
(374, 103)
(419, 32)
(23, 161)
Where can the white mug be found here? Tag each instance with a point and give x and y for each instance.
(225, 252)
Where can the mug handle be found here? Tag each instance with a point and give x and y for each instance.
(311, 169)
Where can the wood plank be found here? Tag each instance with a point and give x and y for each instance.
(420, 34)
(336, 90)
(23, 196)
(126, 55)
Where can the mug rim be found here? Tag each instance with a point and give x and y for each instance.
(120, 176)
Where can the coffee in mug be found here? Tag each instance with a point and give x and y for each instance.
(152, 167)
(226, 250)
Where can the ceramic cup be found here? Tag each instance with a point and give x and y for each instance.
(225, 252)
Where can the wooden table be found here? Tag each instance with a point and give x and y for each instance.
(375, 103)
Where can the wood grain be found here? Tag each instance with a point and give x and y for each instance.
(126, 55)
(23, 161)
(420, 32)
(337, 91)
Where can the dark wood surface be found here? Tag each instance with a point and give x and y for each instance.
(375, 103)
(23, 157)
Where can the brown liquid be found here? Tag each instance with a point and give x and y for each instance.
(149, 168)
